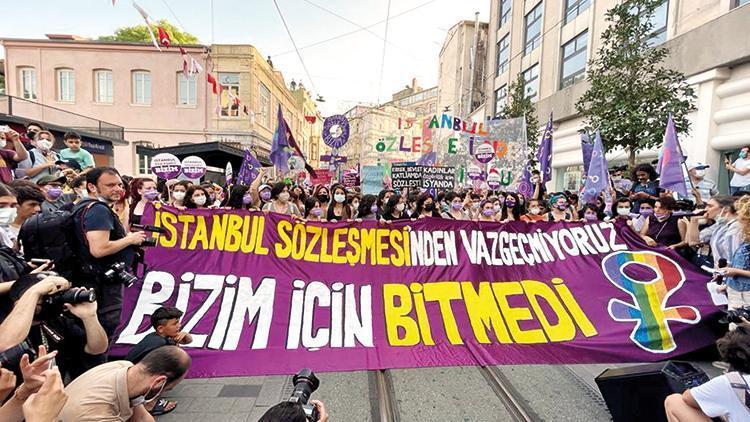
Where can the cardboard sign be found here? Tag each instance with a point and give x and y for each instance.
(405, 176)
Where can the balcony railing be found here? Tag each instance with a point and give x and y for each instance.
(52, 116)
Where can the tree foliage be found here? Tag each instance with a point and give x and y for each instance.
(139, 33)
(631, 93)
(519, 105)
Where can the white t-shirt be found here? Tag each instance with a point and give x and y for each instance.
(717, 398)
(739, 180)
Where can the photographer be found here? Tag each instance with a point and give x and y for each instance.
(293, 412)
(723, 396)
(65, 322)
(40, 397)
(16, 326)
(104, 242)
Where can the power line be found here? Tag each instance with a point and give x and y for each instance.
(357, 30)
(304, 66)
(179, 22)
(385, 45)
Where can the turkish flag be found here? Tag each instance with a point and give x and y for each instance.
(164, 37)
(212, 81)
(311, 119)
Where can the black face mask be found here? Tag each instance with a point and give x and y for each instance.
(323, 198)
(429, 207)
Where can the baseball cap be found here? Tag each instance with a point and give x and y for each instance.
(698, 166)
(70, 163)
(264, 187)
(50, 179)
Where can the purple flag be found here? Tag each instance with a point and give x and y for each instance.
(280, 147)
(670, 165)
(597, 178)
(586, 146)
(544, 155)
(525, 187)
(428, 159)
(249, 170)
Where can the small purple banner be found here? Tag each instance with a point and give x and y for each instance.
(263, 294)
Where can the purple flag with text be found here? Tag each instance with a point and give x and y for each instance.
(249, 170)
(670, 166)
(597, 178)
(544, 156)
(280, 147)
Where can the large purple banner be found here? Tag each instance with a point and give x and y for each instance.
(264, 294)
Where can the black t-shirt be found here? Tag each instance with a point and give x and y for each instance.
(150, 342)
(71, 358)
(99, 217)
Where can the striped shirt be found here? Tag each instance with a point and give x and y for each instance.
(724, 238)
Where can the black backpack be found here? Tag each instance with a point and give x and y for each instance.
(53, 236)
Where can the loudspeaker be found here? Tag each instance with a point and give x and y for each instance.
(637, 393)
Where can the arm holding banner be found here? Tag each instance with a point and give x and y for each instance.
(682, 228)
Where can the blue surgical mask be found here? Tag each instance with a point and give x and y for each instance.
(743, 154)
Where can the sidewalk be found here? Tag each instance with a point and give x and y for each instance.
(233, 399)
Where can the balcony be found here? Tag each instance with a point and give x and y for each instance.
(21, 110)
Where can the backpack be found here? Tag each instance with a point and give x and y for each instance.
(53, 236)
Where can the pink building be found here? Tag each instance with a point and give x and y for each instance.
(128, 84)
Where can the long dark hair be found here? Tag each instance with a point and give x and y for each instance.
(188, 202)
(234, 199)
(517, 209)
(390, 205)
(346, 209)
(365, 204)
(420, 205)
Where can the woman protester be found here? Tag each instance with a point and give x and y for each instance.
(512, 208)
(142, 191)
(456, 209)
(426, 207)
(738, 271)
(383, 197)
(722, 238)
(394, 209)
(338, 209)
(535, 213)
(314, 210)
(663, 227)
(591, 214)
(178, 192)
(196, 197)
(487, 212)
(645, 186)
(280, 201)
(368, 208)
(240, 198)
(559, 209)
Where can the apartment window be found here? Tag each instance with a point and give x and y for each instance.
(27, 77)
(501, 97)
(533, 31)
(264, 104)
(505, 6)
(143, 164)
(103, 89)
(503, 54)
(738, 3)
(659, 22)
(531, 82)
(573, 8)
(231, 83)
(574, 60)
(187, 89)
(66, 85)
(141, 87)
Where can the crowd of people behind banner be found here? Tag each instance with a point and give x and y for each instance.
(710, 229)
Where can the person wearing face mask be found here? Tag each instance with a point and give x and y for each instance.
(240, 198)
(383, 197)
(646, 186)
(511, 209)
(622, 211)
(142, 191)
(394, 209)
(354, 200)
(196, 197)
(8, 213)
(368, 208)
(559, 209)
(280, 201)
(591, 214)
(338, 209)
(620, 183)
(52, 188)
(41, 160)
(264, 196)
(703, 187)
(474, 205)
(535, 213)
(741, 169)
(645, 210)
(663, 228)
(487, 211)
(426, 207)
(724, 237)
(103, 241)
(178, 191)
(455, 202)
(118, 391)
(313, 210)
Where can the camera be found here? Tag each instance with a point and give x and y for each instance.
(305, 383)
(118, 273)
(73, 296)
(11, 358)
(734, 315)
(149, 241)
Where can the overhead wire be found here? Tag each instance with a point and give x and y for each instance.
(385, 46)
(299, 55)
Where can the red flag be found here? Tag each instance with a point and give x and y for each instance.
(311, 119)
(212, 81)
(163, 37)
(244, 110)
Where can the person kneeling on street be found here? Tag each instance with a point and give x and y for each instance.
(65, 321)
(725, 396)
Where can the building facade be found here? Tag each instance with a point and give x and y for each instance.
(128, 84)
(551, 43)
(311, 126)
(461, 71)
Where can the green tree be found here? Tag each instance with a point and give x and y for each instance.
(139, 33)
(631, 93)
(519, 105)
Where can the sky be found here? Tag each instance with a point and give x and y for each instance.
(344, 71)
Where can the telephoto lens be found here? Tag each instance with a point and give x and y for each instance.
(73, 296)
(305, 383)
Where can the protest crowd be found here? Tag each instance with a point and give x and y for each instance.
(69, 315)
